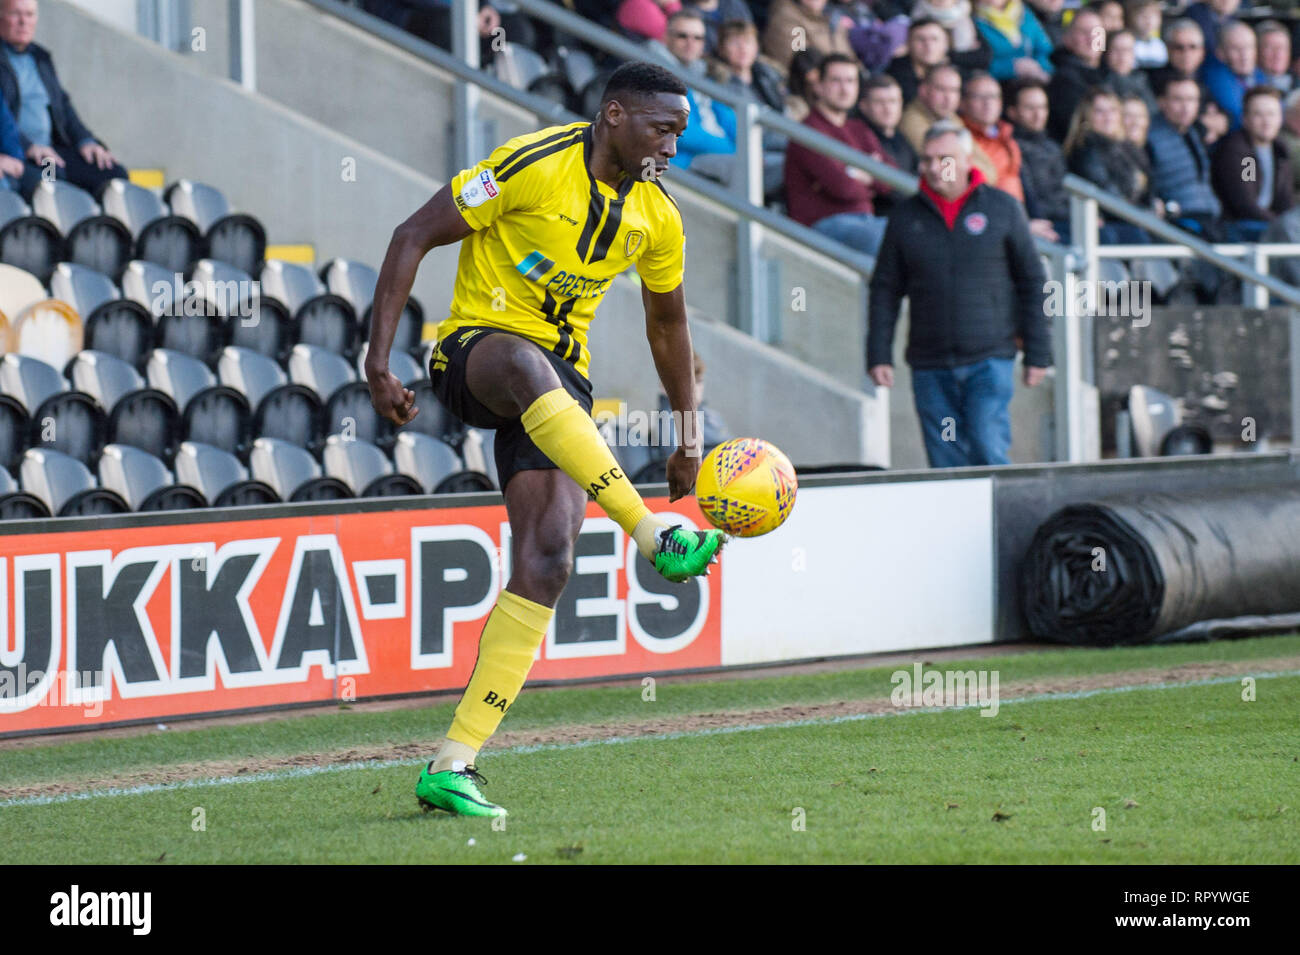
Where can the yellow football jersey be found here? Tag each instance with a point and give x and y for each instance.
(550, 238)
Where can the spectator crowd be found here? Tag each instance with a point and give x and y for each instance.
(1188, 111)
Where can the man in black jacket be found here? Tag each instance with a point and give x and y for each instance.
(1042, 164)
(1078, 68)
(962, 253)
(53, 135)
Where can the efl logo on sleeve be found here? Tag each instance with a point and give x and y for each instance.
(480, 189)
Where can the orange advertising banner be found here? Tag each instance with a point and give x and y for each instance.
(155, 620)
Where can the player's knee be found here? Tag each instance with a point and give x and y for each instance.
(546, 565)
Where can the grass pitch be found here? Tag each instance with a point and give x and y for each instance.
(1182, 771)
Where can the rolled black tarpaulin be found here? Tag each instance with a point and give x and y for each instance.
(1129, 570)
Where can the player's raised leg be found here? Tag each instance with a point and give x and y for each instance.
(513, 378)
(546, 510)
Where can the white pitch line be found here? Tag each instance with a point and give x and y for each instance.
(302, 771)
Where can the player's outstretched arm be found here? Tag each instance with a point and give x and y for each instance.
(670, 344)
(437, 222)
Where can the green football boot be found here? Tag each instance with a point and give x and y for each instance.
(455, 791)
(682, 554)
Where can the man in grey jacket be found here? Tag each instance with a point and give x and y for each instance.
(53, 135)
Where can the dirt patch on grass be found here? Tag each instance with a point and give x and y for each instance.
(510, 739)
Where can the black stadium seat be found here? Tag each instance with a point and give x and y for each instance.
(270, 331)
(178, 376)
(252, 374)
(350, 412)
(234, 238)
(66, 486)
(426, 459)
(29, 380)
(15, 431)
(434, 419)
(202, 336)
(146, 419)
(329, 322)
(365, 469)
(90, 238)
(104, 377)
(160, 237)
(220, 477)
(19, 506)
(121, 328)
(71, 422)
(291, 413)
(322, 371)
(464, 482)
(28, 241)
(143, 481)
(219, 416)
(293, 473)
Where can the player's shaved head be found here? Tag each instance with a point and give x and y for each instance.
(640, 81)
(643, 111)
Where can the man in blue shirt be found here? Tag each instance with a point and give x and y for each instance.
(1233, 70)
(51, 133)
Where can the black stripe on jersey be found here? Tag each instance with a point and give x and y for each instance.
(558, 315)
(595, 209)
(609, 230)
(540, 269)
(523, 159)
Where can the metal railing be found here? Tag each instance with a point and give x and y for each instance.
(1086, 202)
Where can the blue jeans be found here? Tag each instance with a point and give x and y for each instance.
(1245, 230)
(965, 412)
(857, 230)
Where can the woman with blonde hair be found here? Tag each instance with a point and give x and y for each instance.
(1097, 150)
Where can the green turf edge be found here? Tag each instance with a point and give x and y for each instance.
(342, 728)
(1186, 775)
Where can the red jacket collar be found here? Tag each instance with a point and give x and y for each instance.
(949, 208)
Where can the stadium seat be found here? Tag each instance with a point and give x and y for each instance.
(322, 371)
(426, 459)
(291, 413)
(293, 473)
(227, 290)
(202, 335)
(365, 469)
(15, 431)
(148, 420)
(355, 283)
(576, 66)
(177, 375)
(161, 237)
(150, 285)
(21, 506)
(66, 486)
(253, 375)
(29, 380)
(464, 482)
(1152, 415)
(219, 416)
(434, 419)
(323, 318)
(270, 331)
(404, 368)
(27, 241)
(104, 377)
(143, 481)
(477, 451)
(236, 239)
(49, 330)
(71, 422)
(120, 328)
(219, 476)
(7, 483)
(18, 289)
(90, 238)
(290, 283)
(349, 412)
(82, 288)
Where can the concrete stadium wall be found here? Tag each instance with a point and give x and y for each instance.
(158, 108)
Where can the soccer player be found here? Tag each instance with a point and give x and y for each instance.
(546, 224)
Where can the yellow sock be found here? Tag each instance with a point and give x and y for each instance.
(514, 631)
(558, 425)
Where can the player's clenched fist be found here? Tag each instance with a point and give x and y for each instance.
(390, 399)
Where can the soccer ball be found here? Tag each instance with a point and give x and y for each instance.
(746, 487)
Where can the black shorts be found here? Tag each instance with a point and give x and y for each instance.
(513, 449)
